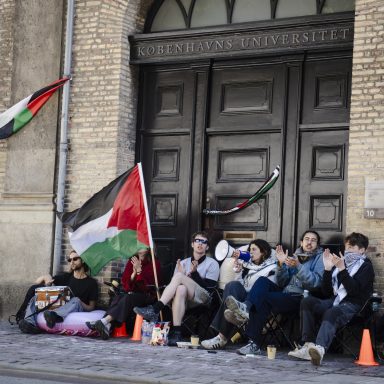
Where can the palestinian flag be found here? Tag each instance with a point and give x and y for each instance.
(14, 118)
(268, 184)
(112, 224)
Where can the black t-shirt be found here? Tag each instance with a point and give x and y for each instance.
(85, 289)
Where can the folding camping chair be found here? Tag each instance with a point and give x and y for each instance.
(351, 332)
(279, 329)
(198, 319)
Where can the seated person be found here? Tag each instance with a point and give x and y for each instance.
(260, 264)
(137, 276)
(188, 287)
(294, 274)
(348, 281)
(83, 287)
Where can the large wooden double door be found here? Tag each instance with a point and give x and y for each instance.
(210, 133)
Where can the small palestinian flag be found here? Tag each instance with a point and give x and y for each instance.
(112, 224)
(268, 184)
(14, 118)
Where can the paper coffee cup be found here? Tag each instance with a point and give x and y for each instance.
(195, 340)
(271, 351)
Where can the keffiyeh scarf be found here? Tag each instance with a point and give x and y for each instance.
(353, 261)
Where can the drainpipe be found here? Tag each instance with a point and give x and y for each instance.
(63, 139)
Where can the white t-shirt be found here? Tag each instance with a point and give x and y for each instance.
(208, 269)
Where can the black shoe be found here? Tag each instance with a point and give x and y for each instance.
(148, 313)
(102, 329)
(27, 327)
(174, 338)
(51, 318)
(91, 325)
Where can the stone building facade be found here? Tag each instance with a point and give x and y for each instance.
(103, 113)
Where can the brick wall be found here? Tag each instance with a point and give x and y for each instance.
(102, 111)
(7, 10)
(366, 141)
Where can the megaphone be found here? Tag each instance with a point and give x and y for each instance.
(223, 250)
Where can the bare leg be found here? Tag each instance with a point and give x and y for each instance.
(177, 280)
(178, 305)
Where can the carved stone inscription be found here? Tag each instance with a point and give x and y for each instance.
(229, 42)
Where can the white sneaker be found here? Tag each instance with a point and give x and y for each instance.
(215, 343)
(250, 349)
(234, 318)
(237, 307)
(301, 352)
(317, 353)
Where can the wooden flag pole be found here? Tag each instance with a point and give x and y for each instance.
(149, 233)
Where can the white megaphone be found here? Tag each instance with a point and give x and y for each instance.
(223, 250)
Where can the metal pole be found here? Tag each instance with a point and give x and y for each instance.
(63, 139)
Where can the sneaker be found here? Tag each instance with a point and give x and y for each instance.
(102, 329)
(91, 325)
(234, 318)
(215, 343)
(51, 318)
(174, 338)
(317, 353)
(27, 327)
(237, 307)
(250, 349)
(301, 352)
(147, 313)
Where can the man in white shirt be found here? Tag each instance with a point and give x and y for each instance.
(188, 287)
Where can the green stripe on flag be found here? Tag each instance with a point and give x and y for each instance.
(21, 119)
(124, 245)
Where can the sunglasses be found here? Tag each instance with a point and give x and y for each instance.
(201, 241)
(73, 259)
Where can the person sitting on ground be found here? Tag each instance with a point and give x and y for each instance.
(348, 280)
(188, 288)
(83, 287)
(294, 274)
(260, 264)
(137, 277)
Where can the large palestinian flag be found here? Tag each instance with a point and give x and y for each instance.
(111, 224)
(14, 118)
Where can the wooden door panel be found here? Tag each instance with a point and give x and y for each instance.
(322, 186)
(327, 89)
(166, 132)
(168, 101)
(238, 165)
(166, 164)
(248, 97)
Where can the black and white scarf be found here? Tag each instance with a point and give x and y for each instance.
(353, 261)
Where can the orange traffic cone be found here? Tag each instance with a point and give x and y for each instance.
(366, 351)
(137, 330)
(120, 331)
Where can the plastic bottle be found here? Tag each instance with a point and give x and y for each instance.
(146, 332)
(375, 304)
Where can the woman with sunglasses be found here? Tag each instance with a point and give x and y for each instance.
(260, 263)
(83, 288)
(136, 281)
(188, 288)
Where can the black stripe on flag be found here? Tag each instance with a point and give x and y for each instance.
(46, 89)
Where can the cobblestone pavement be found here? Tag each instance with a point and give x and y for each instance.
(121, 359)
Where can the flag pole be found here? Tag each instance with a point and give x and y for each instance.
(149, 229)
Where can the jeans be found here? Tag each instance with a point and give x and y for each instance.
(265, 296)
(237, 290)
(73, 305)
(332, 318)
